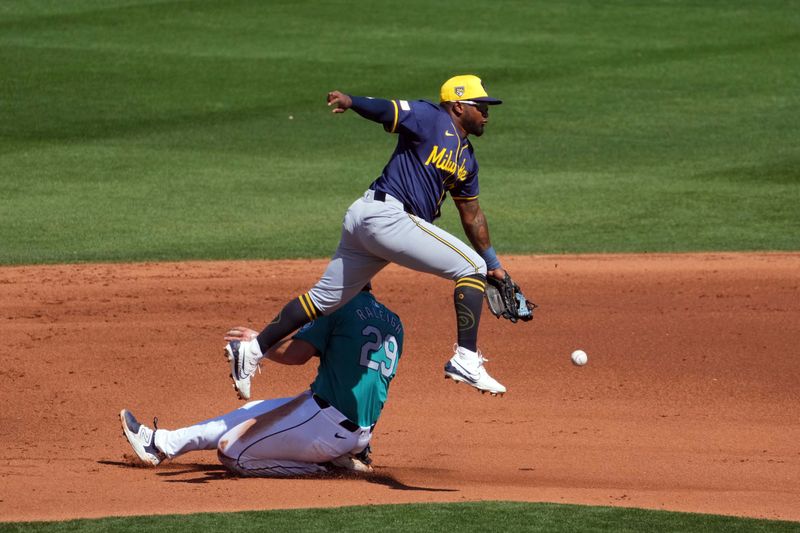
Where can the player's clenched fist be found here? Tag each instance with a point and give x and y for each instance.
(341, 101)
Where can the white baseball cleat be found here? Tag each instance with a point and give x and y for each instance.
(244, 357)
(141, 439)
(467, 367)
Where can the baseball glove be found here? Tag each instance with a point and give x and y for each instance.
(505, 299)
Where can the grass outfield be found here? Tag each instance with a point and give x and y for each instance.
(146, 130)
(141, 130)
(485, 516)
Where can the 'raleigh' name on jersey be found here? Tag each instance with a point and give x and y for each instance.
(430, 159)
(376, 311)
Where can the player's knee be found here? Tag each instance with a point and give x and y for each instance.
(223, 445)
(477, 277)
(326, 301)
(229, 444)
(231, 464)
(476, 267)
(474, 281)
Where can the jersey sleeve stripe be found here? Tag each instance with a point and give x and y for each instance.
(396, 116)
(463, 197)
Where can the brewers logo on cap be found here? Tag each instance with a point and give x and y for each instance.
(466, 87)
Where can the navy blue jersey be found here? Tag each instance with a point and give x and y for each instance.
(430, 159)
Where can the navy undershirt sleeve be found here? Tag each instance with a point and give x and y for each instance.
(375, 109)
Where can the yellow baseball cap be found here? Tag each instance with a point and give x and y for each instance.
(466, 87)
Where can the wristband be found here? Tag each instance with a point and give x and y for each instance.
(490, 256)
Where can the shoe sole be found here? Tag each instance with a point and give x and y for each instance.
(143, 456)
(228, 354)
(460, 379)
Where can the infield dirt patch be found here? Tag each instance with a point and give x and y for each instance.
(690, 400)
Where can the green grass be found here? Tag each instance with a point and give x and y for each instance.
(168, 130)
(144, 130)
(485, 516)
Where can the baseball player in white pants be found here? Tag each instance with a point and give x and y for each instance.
(359, 347)
(393, 223)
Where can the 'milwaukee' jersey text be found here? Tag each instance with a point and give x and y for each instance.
(430, 159)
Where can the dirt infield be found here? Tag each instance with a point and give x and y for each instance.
(690, 400)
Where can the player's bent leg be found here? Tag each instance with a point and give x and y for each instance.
(351, 267)
(417, 244)
(294, 439)
(347, 273)
(414, 243)
(269, 467)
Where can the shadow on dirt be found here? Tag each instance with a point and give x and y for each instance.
(218, 472)
(393, 483)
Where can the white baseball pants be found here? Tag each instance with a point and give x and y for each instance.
(271, 438)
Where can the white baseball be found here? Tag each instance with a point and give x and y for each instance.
(579, 357)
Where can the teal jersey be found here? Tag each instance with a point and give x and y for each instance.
(360, 345)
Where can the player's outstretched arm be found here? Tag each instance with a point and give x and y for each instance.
(375, 109)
